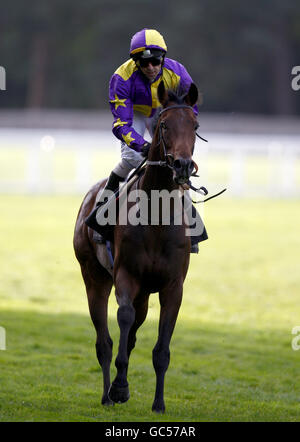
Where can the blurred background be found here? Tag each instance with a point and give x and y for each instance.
(55, 123)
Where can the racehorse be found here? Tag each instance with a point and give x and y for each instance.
(147, 258)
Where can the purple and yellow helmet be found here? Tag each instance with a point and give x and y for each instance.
(148, 42)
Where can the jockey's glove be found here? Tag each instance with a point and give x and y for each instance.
(145, 149)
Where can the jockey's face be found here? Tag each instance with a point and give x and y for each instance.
(151, 71)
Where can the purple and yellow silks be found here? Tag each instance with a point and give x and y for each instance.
(130, 91)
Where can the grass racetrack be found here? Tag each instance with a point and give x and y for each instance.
(231, 353)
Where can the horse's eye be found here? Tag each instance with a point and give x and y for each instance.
(163, 125)
(196, 126)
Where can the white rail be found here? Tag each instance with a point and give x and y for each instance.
(59, 161)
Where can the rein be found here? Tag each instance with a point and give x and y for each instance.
(166, 163)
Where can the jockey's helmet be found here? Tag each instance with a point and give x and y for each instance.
(147, 43)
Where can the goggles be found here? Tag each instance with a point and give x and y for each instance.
(155, 61)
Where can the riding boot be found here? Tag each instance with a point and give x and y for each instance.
(112, 185)
(202, 236)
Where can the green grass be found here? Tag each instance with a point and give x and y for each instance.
(231, 354)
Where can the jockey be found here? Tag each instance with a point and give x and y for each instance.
(133, 99)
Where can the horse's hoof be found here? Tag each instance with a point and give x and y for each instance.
(158, 407)
(119, 395)
(107, 402)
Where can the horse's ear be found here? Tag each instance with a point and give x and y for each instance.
(192, 95)
(162, 93)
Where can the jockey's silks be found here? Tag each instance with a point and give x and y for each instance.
(130, 91)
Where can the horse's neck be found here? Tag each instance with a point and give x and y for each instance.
(157, 177)
(160, 178)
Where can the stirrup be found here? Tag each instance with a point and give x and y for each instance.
(195, 248)
(97, 238)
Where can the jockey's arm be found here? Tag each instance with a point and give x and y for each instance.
(122, 109)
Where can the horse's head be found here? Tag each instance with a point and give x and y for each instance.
(177, 129)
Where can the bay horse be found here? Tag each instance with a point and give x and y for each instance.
(147, 258)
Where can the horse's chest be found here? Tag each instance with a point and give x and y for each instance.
(162, 266)
(154, 261)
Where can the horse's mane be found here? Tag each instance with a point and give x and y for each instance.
(173, 97)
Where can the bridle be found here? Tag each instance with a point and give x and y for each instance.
(168, 156)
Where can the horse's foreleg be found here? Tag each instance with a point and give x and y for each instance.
(126, 291)
(141, 309)
(98, 293)
(170, 300)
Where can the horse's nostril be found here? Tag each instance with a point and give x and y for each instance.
(184, 165)
(177, 164)
(191, 166)
(183, 169)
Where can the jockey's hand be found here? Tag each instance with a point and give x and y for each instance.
(145, 149)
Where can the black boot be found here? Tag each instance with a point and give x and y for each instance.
(112, 185)
(194, 248)
(196, 239)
